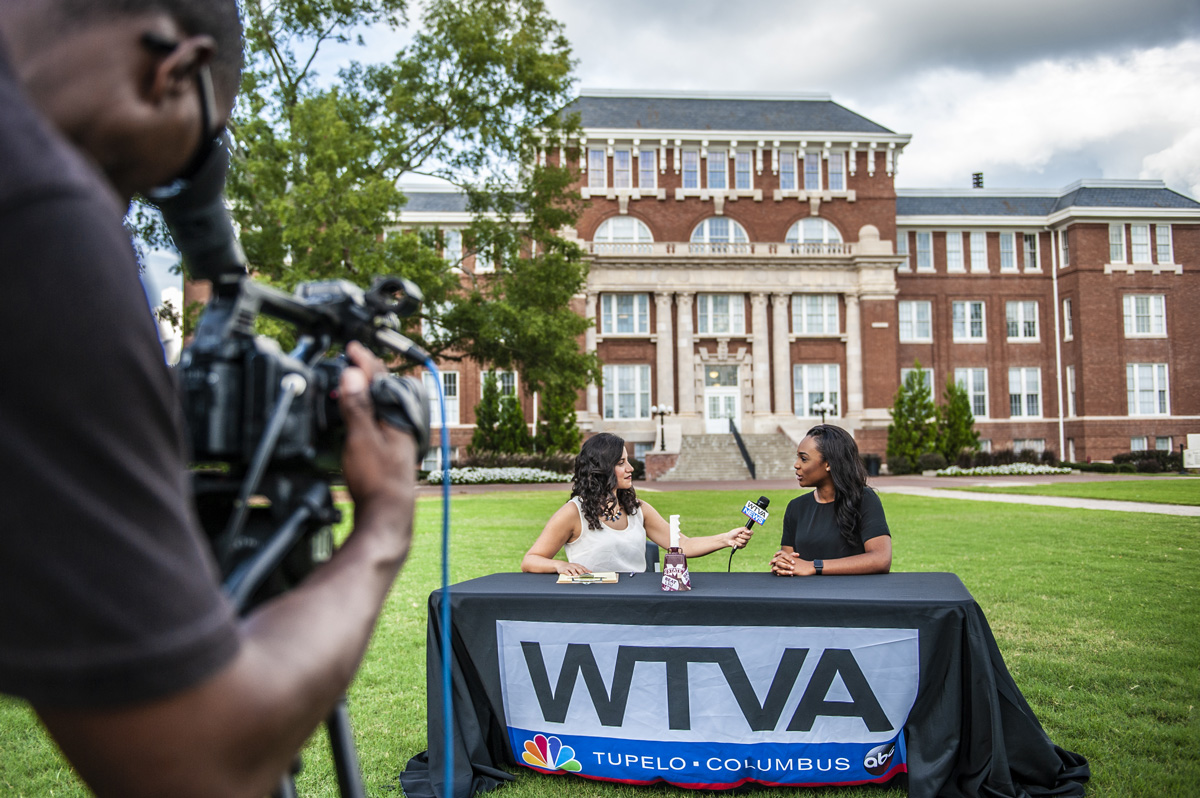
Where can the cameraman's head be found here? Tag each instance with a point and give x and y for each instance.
(142, 86)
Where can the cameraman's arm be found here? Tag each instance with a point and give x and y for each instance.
(236, 733)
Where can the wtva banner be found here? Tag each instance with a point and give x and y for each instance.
(709, 707)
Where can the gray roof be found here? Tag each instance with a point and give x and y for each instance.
(697, 113)
(1153, 195)
(436, 201)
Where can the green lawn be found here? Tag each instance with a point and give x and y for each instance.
(1158, 490)
(1093, 611)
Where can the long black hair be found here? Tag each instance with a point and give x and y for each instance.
(849, 476)
(595, 479)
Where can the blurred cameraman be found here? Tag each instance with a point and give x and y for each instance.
(114, 628)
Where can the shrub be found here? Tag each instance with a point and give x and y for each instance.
(482, 476)
(1004, 457)
(967, 459)
(1049, 457)
(556, 462)
(871, 463)
(1029, 456)
(1167, 460)
(1149, 466)
(1125, 468)
(1014, 469)
(931, 461)
(639, 468)
(899, 464)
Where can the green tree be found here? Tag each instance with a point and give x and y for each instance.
(956, 422)
(512, 434)
(472, 98)
(557, 430)
(913, 430)
(487, 416)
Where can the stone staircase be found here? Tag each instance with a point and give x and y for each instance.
(714, 458)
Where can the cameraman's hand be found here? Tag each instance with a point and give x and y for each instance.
(379, 460)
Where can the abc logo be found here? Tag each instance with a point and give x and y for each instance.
(878, 759)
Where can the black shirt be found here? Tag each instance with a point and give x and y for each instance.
(812, 530)
(108, 588)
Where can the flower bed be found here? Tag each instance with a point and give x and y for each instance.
(484, 476)
(1015, 469)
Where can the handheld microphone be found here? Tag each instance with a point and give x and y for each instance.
(756, 511)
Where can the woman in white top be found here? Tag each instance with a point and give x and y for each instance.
(604, 526)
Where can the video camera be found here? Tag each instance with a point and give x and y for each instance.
(268, 419)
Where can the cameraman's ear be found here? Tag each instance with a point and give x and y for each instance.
(175, 73)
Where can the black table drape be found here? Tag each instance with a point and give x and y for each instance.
(969, 731)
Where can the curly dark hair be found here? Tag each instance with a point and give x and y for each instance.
(849, 476)
(595, 479)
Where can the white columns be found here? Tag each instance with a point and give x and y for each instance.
(854, 373)
(684, 355)
(762, 347)
(662, 349)
(589, 344)
(781, 355)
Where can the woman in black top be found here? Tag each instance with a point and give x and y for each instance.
(839, 527)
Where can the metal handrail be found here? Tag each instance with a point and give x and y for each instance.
(737, 436)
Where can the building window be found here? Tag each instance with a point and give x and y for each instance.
(812, 230)
(433, 459)
(452, 249)
(597, 168)
(974, 382)
(813, 383)
(1065, 260)
(968, 321)
(979, 252)
(718, 169)
(812, 170)
(1139, 242)
(1146, 386)
(506, 382)
(902, 243)
(1025, 392)
(924, 252)
(1022, 320)
(486, 260)
(622, 234)
(622, 169)
(641, 449)
(627, 392)
(926, 377)
(691, 169)
(1008, 252)
(647, 168)
(915, 321)
(1030, 251)
(1071, 391)
(1029, 445)
(1162, 243)
(1139, 443)
(1116, 243)
(954, 251)
(743, 170)
(1145, 315)
(815, 314)
(1163, 443)
(787, 170)
(450, 389)
(625, 314)
(837, 171)
(720, 313)
(718, 234)
(1068, 322)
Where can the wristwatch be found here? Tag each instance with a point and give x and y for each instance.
(819, 565)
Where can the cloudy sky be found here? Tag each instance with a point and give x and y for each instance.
(1034, 93)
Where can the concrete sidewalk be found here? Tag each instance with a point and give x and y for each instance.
(911, 485)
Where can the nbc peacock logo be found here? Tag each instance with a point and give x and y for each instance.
(548, 753)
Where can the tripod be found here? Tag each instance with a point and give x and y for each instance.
(265, 550)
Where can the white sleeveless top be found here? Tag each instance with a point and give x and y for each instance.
(608, 549)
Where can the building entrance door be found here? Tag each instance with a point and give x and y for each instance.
(722, 399)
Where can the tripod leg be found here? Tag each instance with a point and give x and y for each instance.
(345, 757)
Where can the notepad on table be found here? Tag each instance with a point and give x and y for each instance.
(602, 577)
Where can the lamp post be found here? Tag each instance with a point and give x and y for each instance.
(824, 406)
(661, 412)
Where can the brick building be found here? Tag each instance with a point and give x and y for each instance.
(751, 258)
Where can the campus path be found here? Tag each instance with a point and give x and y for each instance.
(931, 487)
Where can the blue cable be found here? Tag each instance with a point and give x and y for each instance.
(447, 701)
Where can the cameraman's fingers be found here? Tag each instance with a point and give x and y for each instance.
(362, 357)
(354, 399)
